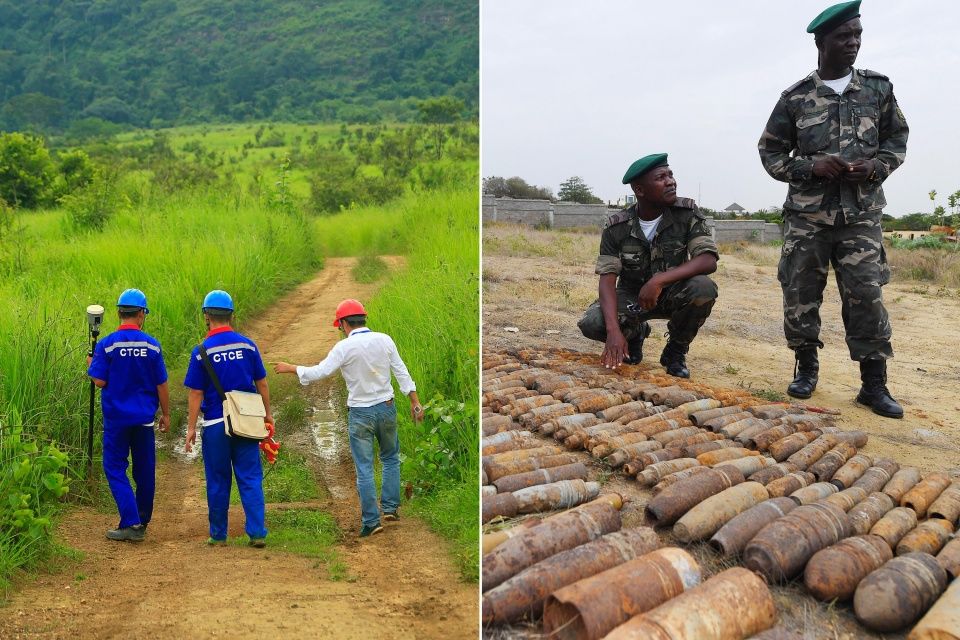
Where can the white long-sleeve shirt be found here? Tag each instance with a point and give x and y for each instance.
(365, 359)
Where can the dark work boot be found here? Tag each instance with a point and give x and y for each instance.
(674, 359)
(874, 392)
(635, 346)
(804, 374)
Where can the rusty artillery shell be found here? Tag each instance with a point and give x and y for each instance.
(638, 463)
(835, 572)
(505, 436)
(715, 424)
(947, 506)
(699, 417)
(669, 505)
(483, 477)
(654, 473)
(496, 470)
(929, 537)
(706, 518)
(698, 438)
(487, 491)
(491, 541)
(510, 425)
(777, 633)
(539, 415)
(674, 477)
(656, 394)
(697, 406)
(501, 504)
(605, 447)
(868, 512)
(735, 534)
(856, 438)
(521, 454)
(665, 437)
(789, 483)
(774, 471)
(848, 498)
(813, 492)
(721, 455)
(562, 494)
(562, 422)
(746, 436)
(555, 534)
(610, 414)
(551, 384)
(693, 450)
(851, 471)
(877, 476)
(762, 441)
(813, 451)
(901, 482)
(540, 476)
(831, 461)
(748, 465)
(732, 605)
(592, 607)
(781, 549)
(949, 558)
(518, 407)
(786, 447)
(525, 592)
(634, 451)
(942, 621)
(925, 492)
(894, 596)
(768, 411)
(599, 403)
(495, 421)
(734, 429)
(895, 524)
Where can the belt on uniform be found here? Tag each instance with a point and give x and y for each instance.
(210, 423)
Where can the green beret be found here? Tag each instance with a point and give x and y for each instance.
(644, 164)
(834, 17)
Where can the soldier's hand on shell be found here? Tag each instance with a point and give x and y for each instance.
(614, 351)
(830, 167)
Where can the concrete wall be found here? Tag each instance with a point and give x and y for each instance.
(563, 214)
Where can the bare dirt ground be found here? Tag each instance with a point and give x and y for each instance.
(402, 582)
(539, 282)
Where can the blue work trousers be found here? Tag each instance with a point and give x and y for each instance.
(137, 443)
(224, 457)
(367, 424)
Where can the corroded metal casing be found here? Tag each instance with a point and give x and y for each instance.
(768, 411)
(605, 449)
(735, 534)
(835, 572)
(539, 415)
(894, 596)
(764, 439)
(592, 607)
(487, 490)
(746, 436)
(700, 417)
(555, 534)
(848, 498)
(773, 472)
(670, 504)
(706, 518)
(640, 462)
(490, 541)
(718, 423)
(556, 495)
(868, 512)
(929, 537)
(813, 492)
(901, 482)
(876, 477)
(654, 473)
(525, 592)
(949, 558)
(925, 492)
(564, 422)
(732, 605)
(666, 437)
(813, 451)
(496, 470)
(831, 461)
(613, 413)
(501, 504)
(505, 436)
(734, 429)
(786, 447)
(748, 465)
(497, 421)
(789, 483)
(895, 524)
(520, 454)
(942, 621)
(674, 477)
(856, 438)
(520, 406)
(704, 404)
(721, 455)
(698, 438)
(781, 549)
(632, 451)
(777, 633)
(947, 506)
(693, 450)
(851, 471)
(483, 477)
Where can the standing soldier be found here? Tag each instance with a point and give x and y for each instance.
(835, 136)
(237, 364)
(366, 359)
(128, 368)
(654, 257)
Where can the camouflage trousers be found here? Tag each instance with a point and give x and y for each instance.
(685, 304)
(859, 262)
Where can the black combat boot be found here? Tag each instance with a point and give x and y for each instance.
(635, 346)
(874, 392)
(804, 374)
(674, 358)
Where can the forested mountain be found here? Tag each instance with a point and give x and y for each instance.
(168, 62)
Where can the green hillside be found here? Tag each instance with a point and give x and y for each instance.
(154, 63)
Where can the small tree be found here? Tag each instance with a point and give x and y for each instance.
(439, 112)
(574, 189)
(26, 170)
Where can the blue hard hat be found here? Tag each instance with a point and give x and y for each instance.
(218, 299)
(133, 299)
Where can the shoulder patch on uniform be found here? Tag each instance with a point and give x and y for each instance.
(867, 73)
(619, 216)
(795, 86)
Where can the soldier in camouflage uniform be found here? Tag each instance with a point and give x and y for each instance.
(834, 137)
(653, 259)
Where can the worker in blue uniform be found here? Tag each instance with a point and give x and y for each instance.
(237, 363)
(128, 367)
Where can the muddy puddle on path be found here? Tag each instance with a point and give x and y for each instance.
(327, 426)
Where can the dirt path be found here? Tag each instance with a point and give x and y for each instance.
(173, 586)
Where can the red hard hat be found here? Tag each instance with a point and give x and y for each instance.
(348, 308)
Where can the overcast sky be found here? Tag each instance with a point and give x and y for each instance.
(573, 87)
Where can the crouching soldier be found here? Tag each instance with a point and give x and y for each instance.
(654, 257)
(128, 367)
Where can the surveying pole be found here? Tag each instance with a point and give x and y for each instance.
(94, 318)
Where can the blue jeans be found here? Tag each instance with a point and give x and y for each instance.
(366, 424)
(137, 442)
(224, 457)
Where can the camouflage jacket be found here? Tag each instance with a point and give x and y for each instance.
(681, 235)
(811, 121)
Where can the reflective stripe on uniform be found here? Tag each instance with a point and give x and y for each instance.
(137, 343)
(228, 347)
